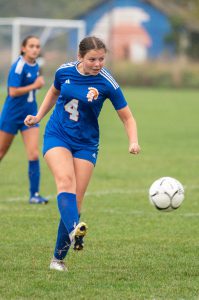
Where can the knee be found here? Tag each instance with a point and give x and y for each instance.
(66, 183)
(33, 154)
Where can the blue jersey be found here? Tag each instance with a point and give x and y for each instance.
(15, 109)
(75, 117)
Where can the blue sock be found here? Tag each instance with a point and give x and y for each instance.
(34, 176)
(63, 242)
(67, 205)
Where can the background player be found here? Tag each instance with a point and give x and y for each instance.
(71, 138)
(23, 81)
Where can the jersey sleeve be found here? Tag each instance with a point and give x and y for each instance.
(15, 78)
(57, 81)
(117, 98)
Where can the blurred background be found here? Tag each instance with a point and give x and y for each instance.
(150, 42)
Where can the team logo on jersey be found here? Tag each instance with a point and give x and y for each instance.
(67, 81)
(28, 75)
(92, 94)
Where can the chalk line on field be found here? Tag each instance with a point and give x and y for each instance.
(110, 210)
(97, 193)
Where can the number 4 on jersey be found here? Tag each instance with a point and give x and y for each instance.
(71, 107)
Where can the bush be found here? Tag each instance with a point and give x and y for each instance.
(179, 73)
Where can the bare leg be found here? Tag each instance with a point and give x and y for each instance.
(31, 142)
(5, 142)
(60, 162)
(83, 172)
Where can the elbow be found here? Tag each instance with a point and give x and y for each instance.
(12, 92)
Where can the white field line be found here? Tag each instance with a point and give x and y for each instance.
(112, 192)
(142, 213)
(97, 193)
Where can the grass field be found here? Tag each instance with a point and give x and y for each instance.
(132, 251)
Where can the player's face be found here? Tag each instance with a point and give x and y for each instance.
(92, 62)
(31, 50)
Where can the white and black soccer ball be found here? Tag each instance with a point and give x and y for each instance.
(166, 194)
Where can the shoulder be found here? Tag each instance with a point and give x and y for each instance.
(18, 66)
(108, 78)
(65, 66)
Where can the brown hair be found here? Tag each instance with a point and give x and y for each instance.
(25, 41)
(90, 43)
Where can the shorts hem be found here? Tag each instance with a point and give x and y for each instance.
(7, 131)
(87, 159)
(60, 146)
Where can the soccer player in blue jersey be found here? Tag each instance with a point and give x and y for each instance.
(23, 81)
(71, 139)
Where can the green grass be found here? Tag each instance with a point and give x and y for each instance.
(132, 251)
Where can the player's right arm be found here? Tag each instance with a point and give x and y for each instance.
(22, 90)
(49, 101)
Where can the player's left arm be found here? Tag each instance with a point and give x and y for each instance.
(129, 122)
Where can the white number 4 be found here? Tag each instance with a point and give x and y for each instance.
(71, 107)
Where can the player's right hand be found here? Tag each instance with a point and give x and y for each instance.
(30, 120)
(39, 82)
(134, 148)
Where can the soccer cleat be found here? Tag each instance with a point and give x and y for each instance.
(78, 235)
(58, 265)
(78, 243)
(37, 199)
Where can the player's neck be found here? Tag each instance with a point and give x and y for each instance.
(29, 60)
(81, 69)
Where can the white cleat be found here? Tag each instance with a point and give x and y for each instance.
(58, 265)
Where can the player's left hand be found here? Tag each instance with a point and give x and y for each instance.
(134, 148)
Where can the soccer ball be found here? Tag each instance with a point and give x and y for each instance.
(166, 194)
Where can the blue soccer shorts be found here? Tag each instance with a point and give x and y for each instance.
(78, 151)
(12, 126)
